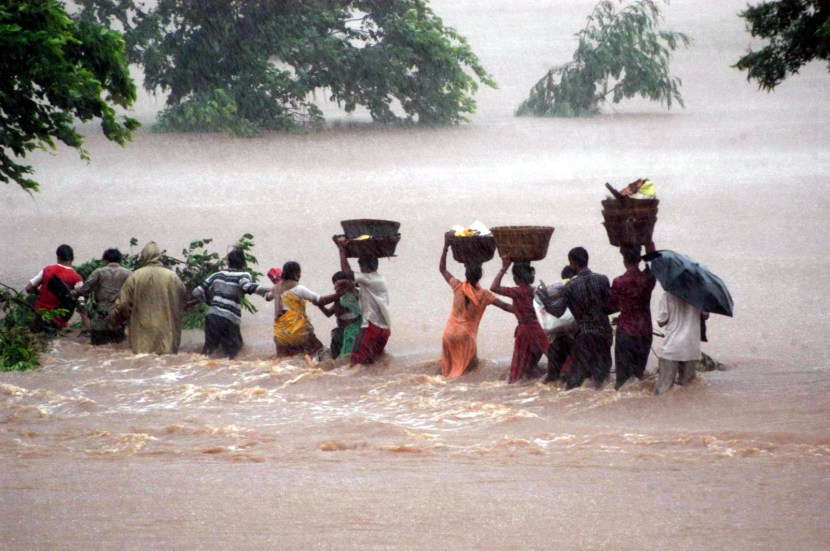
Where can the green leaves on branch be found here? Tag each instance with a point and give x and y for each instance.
(54, 71)
(620, 54)
(797, 31)
(248, 66)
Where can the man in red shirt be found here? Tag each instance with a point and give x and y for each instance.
(55, 294)
(631, 296)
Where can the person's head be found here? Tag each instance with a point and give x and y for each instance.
(65, 253)
(112, 255)
(567, 272)
(578, 258)
(150, 254)
(630, 254)
(473, 273)
(340, 276)
(291, 270)
(236, 259)
(368, 264)
(523, 273)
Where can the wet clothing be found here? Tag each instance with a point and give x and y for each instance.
(682, 327)
(375, 329)
(47, 300)
(349, 320)
(530, 341)
(668, 370)
(223, 292)
(630, 356)
(369, 344)
(293, 332)
(152, 301)
(631, 296)
(586, 294)
(374, 299)
(460, 334)
(106, 283)
(560, 347)
(222, 332)
(681, 347)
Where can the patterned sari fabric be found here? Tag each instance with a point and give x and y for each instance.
(292, 330)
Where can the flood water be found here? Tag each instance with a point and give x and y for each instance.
(102, 449)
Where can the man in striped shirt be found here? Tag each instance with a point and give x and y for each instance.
(223, 293)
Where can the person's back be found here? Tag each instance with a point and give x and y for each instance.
(54, 295)
(105, 283)
(681, 347)
(153, 299)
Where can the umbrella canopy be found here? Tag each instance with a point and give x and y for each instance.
(690, 281)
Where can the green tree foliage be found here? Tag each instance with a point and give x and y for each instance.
(253, 65)
(797, 31)
(54, 70)
(620, 54)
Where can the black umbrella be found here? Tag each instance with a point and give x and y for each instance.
(690, 281)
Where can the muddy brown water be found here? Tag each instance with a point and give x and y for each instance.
(102, 449)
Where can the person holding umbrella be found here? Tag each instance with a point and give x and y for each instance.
(692, 292)
(681, 347)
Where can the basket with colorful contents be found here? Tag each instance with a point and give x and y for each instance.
(370, 238)
(471, 249)
(526, 243)
(628, 220)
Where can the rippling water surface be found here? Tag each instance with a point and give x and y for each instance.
(104, 449)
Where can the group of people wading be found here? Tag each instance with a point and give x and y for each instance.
(150, 302)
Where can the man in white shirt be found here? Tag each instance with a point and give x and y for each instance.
(681, 347)
(374, 302)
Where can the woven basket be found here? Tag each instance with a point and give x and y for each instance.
(375, 228)
(476, 249)
(630, 231)
(378, 247)
(522, 242)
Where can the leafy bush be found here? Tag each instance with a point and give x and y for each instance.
(621, 54)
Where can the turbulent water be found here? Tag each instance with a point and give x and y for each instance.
(104, 449)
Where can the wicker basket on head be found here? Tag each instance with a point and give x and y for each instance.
(375, 228)
(629, 222)
(474, 249)
(378, 247)
(527, 243)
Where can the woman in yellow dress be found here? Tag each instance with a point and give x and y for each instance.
(293, 332)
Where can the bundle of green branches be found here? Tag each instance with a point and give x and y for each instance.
(19, 347)
(196, 264)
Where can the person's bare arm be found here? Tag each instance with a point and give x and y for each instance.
(498, 303)
(344, 261)
(442, 264)
(496, 285)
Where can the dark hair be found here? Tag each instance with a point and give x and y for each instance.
(473, 273)
(341, 275)
(567, 272)
(65, 253)
(291, 270)
(370, 262)
(112, 255)
(524, 272)
(578, 256)
(236, 259)
(630, 253)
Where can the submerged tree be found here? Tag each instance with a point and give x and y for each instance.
(798, 31)
(246, 66)
(53, 71)
(621, 54)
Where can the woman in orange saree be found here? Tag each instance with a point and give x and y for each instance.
(469, 302)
